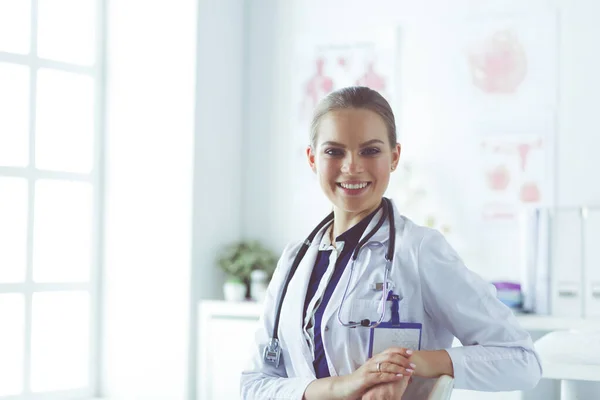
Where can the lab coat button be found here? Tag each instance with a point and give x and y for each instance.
(326, 328)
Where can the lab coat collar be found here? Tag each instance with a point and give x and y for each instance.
(382, 235)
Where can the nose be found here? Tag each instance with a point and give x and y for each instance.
(351, 165)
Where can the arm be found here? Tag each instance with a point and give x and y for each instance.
(497, 354)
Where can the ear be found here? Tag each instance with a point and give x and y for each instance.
(310, 155)
(396, 156)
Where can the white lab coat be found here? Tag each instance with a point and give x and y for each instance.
(436, 290)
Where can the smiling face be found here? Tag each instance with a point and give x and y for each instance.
(353, 157)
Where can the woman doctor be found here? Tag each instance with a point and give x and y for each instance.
(352, 151)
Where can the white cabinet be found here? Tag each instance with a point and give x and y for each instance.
(226, 337)
(592, 265)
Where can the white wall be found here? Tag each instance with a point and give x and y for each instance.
(265, 134)
(218, 185)
(149, 191)
(173, 181)
(426, 27)
(579, 98)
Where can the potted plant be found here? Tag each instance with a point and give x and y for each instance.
(238, 260)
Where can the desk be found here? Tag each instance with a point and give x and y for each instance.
(573, 358)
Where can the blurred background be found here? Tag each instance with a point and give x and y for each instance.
(152, 163)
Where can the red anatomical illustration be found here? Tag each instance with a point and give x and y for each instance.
(499, 64)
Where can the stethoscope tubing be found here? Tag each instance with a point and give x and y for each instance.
(388, 212)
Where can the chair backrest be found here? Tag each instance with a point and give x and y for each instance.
(442, 390)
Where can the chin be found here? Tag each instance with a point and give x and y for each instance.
(355, 205)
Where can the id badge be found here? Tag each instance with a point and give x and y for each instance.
(395, 333)
(389, 334)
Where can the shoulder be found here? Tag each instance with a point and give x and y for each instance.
(414, 236)
(291, 249)
(428, 247)
(285, 260)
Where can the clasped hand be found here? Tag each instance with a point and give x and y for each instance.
(423, 363)
(391, 366)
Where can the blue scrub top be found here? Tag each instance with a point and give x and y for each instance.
(350, 238)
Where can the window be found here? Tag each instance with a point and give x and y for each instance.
(50, 197)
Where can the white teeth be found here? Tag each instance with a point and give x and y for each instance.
(354, 185)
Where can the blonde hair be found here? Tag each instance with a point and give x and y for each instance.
(359, 97)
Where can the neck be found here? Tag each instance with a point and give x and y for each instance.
(344, 220)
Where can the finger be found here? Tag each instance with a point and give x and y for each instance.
(384, 378)
(389, 368)
(398, 360)
(399, 350)
(405, 381)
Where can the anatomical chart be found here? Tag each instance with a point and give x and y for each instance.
(327, 68)
(511, 77)
(516, 172)
(512, 60)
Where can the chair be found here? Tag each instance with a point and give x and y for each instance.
(442, 390)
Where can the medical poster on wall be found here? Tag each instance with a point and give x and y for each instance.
(516, 172)
(516, 165)
(322, 68)
(510, 60)
(322, 65)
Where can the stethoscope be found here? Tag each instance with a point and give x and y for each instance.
(272, 352)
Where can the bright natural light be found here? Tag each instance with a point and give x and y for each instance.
(62, 231)
(13, 230)
(65, 121)
(15, 24)
(66, 30)
(12, 337)
(60, 341)
(14, 113)
(50, 135)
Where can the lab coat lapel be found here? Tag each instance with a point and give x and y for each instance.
(382, 233)
(337, 295)
(365, 255)
(366, 260)
(293, 311)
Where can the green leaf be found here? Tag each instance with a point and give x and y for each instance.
(239, 259)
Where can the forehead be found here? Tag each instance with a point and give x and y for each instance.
(352, 126)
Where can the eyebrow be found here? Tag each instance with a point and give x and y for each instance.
(365, 144)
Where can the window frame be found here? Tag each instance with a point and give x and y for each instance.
(95, 178)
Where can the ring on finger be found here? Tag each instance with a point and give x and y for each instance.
(379, 367)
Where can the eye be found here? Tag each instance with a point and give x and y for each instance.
(334, 152)
(371, 151)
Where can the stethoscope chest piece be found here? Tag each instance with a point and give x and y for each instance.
(272, 353)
